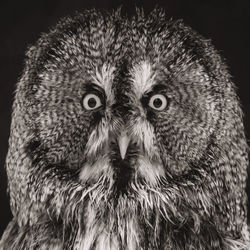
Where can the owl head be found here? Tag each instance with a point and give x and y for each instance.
(144, 113)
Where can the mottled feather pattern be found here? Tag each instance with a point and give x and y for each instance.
(181, 184)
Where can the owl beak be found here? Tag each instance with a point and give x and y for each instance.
(123, 142)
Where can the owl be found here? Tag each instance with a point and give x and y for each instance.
(126, 134)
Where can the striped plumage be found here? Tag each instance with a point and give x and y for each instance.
(126, 175)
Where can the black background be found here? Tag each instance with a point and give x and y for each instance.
(226, 22)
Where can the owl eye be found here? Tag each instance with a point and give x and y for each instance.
(91, 102)
(158, 102)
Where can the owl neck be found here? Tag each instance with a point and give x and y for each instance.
(144, 218)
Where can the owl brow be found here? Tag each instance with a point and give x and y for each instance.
(143, 78)
(156, 88)
(90, 87)
(104, 77)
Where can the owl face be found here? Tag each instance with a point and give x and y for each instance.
(114, 94)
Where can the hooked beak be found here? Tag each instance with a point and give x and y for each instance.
(123, 141)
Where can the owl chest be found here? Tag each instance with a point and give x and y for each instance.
(109, 231)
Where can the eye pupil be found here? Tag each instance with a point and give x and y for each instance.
(92, 102)
(157, 102)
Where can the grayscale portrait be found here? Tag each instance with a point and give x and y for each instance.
(126, 130)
